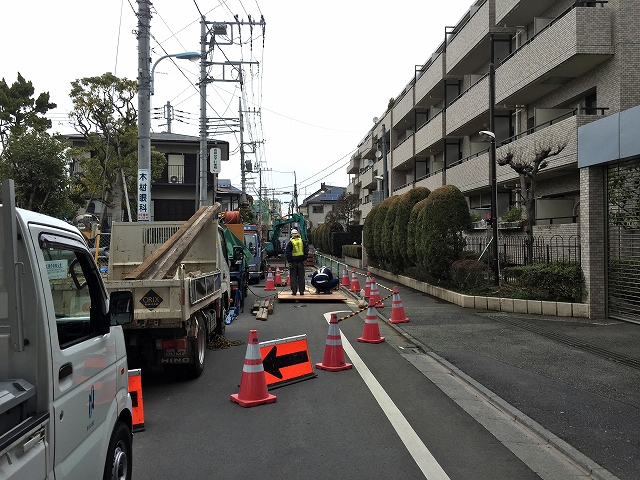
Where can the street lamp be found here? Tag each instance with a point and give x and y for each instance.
(192, 56)
(145, 84)
(491, 137)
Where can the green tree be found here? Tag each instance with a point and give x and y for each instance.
(104, 114)
(38, 163)
(401, 225)
(387, 233)
(411, 257)
(439, 240)
(367, 233)
(344, 209)
(19, 111)
(378, 227)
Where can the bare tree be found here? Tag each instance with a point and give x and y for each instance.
(527, 164)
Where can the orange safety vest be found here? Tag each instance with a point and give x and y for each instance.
(297, 249)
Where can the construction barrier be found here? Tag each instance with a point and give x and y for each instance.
(135, 390)
(253, 385)
(333, 359)
(286, 361)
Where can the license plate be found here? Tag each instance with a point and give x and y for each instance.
(175, 352)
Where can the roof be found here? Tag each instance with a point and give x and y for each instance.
(163, 137)
(327, 194)
(225, 187)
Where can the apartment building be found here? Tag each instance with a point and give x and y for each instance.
(552, 68)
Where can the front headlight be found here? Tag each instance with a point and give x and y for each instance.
(254, 268)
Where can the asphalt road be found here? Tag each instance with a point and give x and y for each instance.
(396, 414)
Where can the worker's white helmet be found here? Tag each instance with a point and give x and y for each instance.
(294, 232)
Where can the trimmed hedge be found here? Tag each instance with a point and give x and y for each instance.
(439, 241)
(387, 232)
(468, 274)
(367, 233)
(353, 251)
(411, 256)
(378, 226)
(557, 282)
(401, 225)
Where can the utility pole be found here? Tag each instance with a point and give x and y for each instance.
(211, 29)
(168, 115)
(144, 113)
(243, 196)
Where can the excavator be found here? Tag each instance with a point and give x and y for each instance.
(273, 246)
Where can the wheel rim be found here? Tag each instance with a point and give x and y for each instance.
(120, 463)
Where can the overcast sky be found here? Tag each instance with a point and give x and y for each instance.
(326, 69)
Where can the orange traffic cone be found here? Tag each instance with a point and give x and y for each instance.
(371, 332)
(345, 277)
(253, 385)
(375, 294)
(270, 283)
(355, 284)
(135, 390)
(278, 279)
(397, 310)
(367, 286)
(333, 359)
(288, 277)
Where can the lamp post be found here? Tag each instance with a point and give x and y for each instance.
(144, 132)
(489, 135)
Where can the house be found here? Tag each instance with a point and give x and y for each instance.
(549, 68)
(316, 206)
(174, 194)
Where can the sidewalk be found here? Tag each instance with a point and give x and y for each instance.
(555, 370)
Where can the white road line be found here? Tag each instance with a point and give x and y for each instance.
(420, 453)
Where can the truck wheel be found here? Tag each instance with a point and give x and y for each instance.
(199, 348)
(119, 455)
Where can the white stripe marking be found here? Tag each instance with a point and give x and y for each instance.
(420, 453)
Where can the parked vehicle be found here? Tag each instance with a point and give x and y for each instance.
(65, 410)
(274, 246)
(179, 275)
(258, 263)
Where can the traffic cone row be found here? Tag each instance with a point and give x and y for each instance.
(355, 284)
(397, 310)
(270, 286)
(253, 384)
(345, 277)
(333, 359)
(371, 332)
(375, 295)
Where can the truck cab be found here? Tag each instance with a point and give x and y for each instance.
(65, 410)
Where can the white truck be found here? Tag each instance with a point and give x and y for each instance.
(65, 409)
(179, 277)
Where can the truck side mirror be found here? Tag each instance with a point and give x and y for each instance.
(121, 307)
(238, 254)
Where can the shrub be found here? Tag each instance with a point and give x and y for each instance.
(411, 256)
(387, 233)
(367, 233)
(378, 227)
(331, 247)
(401, 225)
(558, 282)
(468, 274)
(353, 251)
(439, 239)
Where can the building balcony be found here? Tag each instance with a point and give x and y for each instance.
(403, 153)
(353, 188)
(403, 112)
(471, 173)
(431, 181)
(428, 87)
(429, 134)
(366, 178)
(468, 43)
(520, 12)
(467, 113)
(567, 48)
(367, 146)
(354, 165)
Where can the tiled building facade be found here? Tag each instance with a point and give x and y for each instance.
(559, 65)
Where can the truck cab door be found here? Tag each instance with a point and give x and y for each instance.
(85, 380)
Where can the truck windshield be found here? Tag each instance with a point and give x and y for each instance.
(251, 241)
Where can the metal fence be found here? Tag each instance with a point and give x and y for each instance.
(513, 250)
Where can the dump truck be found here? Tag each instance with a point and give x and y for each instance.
(65, 408)
(179, 275)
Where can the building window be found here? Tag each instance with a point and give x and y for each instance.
(175, 168)
(318, 209)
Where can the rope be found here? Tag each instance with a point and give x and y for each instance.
(220, 341)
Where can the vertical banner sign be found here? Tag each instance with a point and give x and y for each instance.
(216, 156)
(144, 195)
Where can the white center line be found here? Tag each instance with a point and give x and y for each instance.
(420, 453)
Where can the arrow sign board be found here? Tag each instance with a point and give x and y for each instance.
(286, 361)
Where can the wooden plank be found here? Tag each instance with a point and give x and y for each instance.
(164, 261)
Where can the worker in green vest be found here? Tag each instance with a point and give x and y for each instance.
(296, 254)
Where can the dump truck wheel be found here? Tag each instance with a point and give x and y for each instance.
(199, 345)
